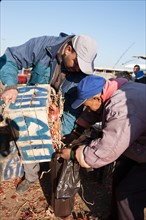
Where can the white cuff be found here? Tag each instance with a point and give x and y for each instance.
(80, 156)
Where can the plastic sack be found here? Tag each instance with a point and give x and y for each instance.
(61, 207)
(69, 180)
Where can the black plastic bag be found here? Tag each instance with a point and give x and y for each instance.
(69, 180)
(61, 207)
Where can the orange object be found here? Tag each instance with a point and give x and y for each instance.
(53, 112)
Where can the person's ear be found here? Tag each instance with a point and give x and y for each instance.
(68, 50)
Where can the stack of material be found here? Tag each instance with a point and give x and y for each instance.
(31, 127)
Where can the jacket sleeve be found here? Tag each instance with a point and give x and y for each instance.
(24, 56)
(115, 140)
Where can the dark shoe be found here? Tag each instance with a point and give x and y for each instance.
(23, 186)
(4, 144)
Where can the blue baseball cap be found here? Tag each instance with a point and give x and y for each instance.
(88, 87)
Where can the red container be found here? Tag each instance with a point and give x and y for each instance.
(22, 79)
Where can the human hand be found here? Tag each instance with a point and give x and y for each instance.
(9, 96)
(66, 153)
(69, 153)
(67, 139)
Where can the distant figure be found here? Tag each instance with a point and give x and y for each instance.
(136, 69)
(140, 77)
(124, 74)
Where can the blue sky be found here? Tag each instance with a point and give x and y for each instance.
(118, 26)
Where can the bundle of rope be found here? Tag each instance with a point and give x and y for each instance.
(54, 118)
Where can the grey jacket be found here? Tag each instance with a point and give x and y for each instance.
(124, 129)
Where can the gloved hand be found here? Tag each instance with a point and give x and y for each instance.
(67, 139)
(75, 134)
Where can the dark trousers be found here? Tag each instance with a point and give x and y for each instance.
(129, 191)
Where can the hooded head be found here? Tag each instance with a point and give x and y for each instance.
(85, 48)
(88, 87)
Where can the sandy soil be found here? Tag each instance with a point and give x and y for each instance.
(92, 202)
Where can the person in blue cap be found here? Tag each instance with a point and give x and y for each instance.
(123, 114)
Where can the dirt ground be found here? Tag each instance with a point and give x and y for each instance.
(32, 205)
(91, 202)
